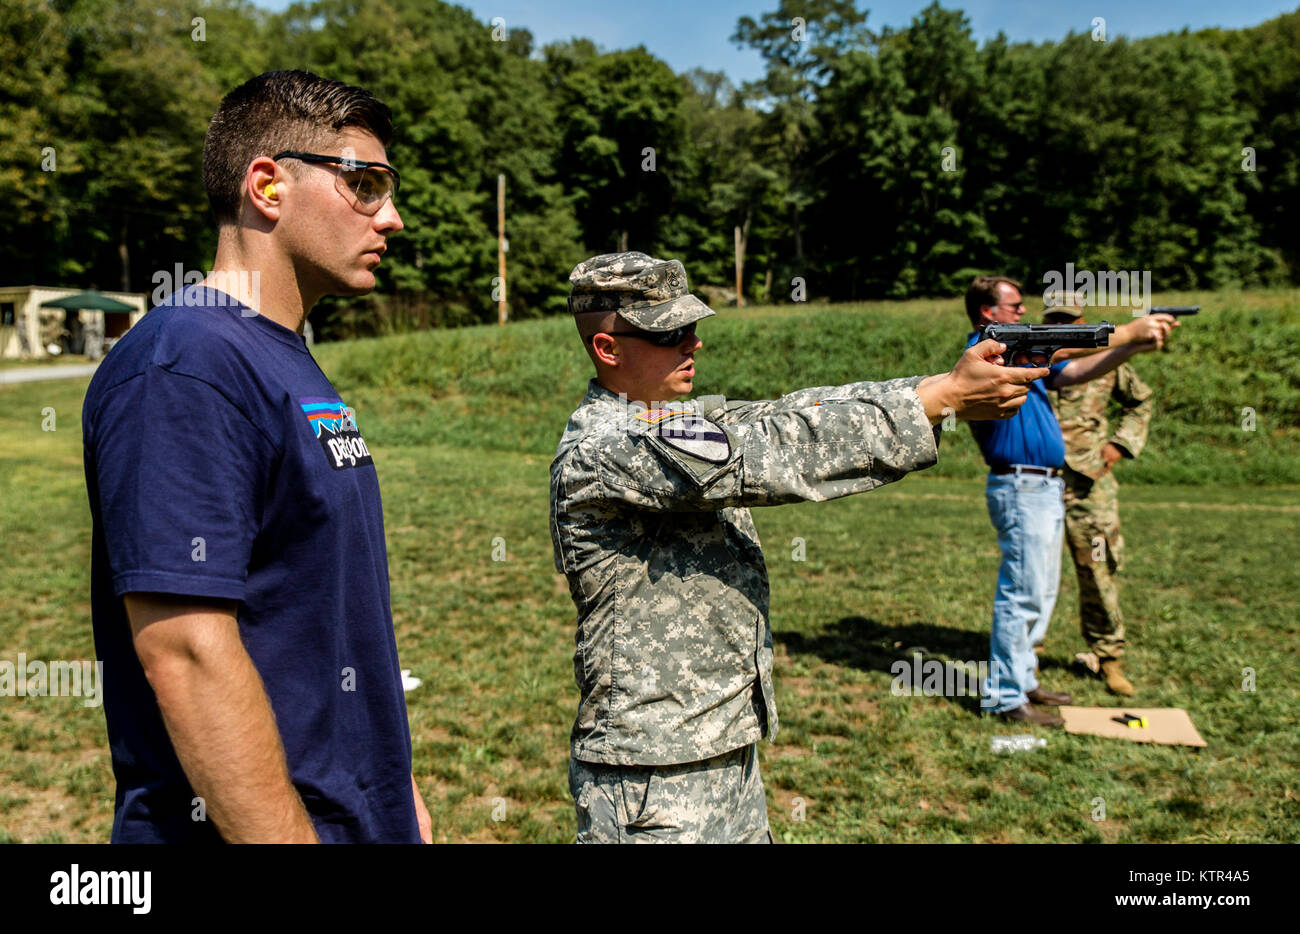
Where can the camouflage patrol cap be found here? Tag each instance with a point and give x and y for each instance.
(1064, 303)
(648, 293)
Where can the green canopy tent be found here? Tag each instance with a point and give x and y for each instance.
(90, 301)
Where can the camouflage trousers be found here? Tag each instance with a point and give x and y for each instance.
(1092, 530)
(718, 800)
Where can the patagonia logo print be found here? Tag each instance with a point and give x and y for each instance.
(335, 426)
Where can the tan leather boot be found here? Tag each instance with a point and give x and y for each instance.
(1113, 671)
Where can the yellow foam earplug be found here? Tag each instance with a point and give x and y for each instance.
(1132, 721)
(269, 191)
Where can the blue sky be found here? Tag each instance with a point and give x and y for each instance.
(690, 33)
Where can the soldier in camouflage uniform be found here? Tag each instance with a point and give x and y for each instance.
(651, 527)
(1092, 494)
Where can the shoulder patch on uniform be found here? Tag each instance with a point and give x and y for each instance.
(696, 436)
(654, 416)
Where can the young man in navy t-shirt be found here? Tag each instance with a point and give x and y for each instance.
(239, 572)
(1025, 454)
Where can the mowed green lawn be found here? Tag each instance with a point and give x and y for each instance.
(1210, 590)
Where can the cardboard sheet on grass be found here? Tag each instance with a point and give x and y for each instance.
(1167, 725)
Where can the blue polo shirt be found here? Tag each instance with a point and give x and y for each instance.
(1031, 437)
(221, 463)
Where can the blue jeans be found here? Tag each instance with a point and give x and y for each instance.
(1028, 512)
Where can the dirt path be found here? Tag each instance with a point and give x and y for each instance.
(57, 371)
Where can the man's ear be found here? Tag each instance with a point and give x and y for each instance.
(605, 347)
(264, 185)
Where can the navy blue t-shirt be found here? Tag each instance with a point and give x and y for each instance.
(1032, 436)
(220, 462)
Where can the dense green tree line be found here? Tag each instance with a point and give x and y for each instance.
(864, 164)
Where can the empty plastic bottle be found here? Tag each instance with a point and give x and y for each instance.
(1021, 742)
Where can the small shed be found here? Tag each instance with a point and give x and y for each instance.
(28, 330)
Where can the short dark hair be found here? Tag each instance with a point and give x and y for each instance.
(984, 291)
(276, 111)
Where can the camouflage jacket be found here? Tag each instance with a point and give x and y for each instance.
(651, 527)
(1081, 410)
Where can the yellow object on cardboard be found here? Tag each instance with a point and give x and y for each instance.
(1170, 726)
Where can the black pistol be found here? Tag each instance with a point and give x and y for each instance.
(1034, 344)
(1178, 311)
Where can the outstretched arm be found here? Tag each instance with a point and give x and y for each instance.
(856, 438)
(977, 387)
(1138, 331)
(1150, 334)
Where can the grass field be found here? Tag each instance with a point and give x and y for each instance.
(462, 453)
(512, 388)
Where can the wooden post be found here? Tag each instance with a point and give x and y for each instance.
(501, 246)
(740, 268)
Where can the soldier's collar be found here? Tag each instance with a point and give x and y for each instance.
(600, 394)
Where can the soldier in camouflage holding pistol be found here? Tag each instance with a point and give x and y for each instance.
(650, 522)
(1091, 491)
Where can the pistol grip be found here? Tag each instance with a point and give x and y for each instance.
(1026, 356)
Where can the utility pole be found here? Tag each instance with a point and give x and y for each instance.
(501, 247)
(740, 267)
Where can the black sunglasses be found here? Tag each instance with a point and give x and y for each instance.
(658, 338)
(358, 181)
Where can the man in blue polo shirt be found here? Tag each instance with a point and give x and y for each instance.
(239, 573)
(1025, 454)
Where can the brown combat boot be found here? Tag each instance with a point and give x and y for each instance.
(1026, 713)
(1113, 671)
(1049, 698)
